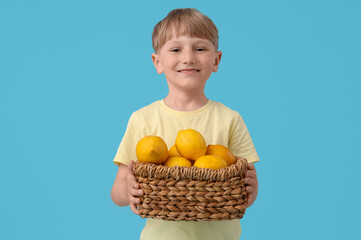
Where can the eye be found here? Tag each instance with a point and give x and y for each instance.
(200, 49)
(175, 50)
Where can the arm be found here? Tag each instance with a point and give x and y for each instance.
(251, 183)
(241, 144)
(125, 190)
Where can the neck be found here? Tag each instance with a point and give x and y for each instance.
(185, 101)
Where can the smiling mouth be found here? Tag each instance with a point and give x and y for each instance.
(188, 70)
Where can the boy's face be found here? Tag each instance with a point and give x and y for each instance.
(187, 62)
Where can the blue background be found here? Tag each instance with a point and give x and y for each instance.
(72, 72)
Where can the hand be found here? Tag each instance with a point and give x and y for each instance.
(133, 193)
(251, 183)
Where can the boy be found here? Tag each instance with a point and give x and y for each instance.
(185, 44)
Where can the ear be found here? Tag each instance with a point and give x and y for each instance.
(216, 61)
(157, 64)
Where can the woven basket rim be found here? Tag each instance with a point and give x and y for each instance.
(150, 170)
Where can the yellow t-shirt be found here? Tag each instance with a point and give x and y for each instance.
(219, 125)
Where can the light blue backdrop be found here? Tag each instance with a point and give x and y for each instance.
(72, 72)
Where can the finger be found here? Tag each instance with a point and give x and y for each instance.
(251, 173)
(134, 209)
(250, 181)
(132, 181)
(133, 200)
(130, 176)
(250, 166)
(249, 201)
(249, 189)
(136, 192)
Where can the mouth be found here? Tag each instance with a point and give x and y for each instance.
(188, 71)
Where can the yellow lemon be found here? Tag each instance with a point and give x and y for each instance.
(152, 149)
(190, 144)
(178, 161)
(173, 152)
(210, 161)
(223, 152)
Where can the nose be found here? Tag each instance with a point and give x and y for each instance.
(188, 56)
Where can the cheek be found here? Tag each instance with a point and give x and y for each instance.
(168, 67)
(210, 65)
(208, 61)
(168, 64)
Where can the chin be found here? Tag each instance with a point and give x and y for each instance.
(187, 84)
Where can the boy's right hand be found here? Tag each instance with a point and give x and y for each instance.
(134, 192)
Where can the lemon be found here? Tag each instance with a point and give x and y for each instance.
(210, 161)
(173, 152)
(152, 149)
(178, 161)
(222, 152)
(190, 144)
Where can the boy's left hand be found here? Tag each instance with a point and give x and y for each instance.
(251, 183)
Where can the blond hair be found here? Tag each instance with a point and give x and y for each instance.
(184, 22)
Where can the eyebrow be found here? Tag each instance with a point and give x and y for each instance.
(196, 42)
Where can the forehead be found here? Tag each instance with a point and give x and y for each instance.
(184, 39)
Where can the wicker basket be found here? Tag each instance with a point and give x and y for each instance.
(191, 193)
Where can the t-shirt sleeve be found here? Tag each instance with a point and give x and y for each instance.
(240, 142)
(126, 150)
